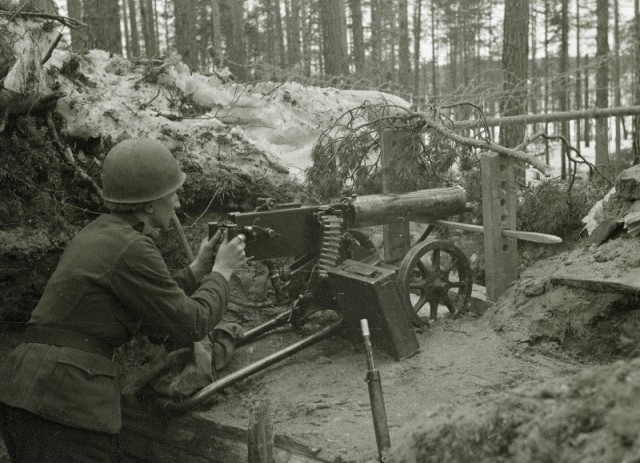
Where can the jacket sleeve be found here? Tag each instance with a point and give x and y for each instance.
(141, 280)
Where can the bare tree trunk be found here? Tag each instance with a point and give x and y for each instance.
(293, 33)
(125, 22)
(151, 46)
(636, 87)
(403, 44)
(79, 35)
(282, 53)
(534, 94)
(216, 33)
(578, 87)
(587, 122)
(103, 20)
(185, 32)
(546, 75)
(563, 84)
(434, 58)
(602, 82)
(204, 30)
(133, 25)
(334, 38)
(236, 52)
(358, 34)
(617, 98)
(417, 36)
(376, 40)
(515, 55)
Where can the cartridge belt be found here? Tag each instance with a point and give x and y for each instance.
(65, 338)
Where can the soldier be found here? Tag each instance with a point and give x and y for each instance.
(59, 397)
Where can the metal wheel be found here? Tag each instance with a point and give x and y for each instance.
(437, 273)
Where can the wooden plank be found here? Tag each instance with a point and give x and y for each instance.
(499, 213)
(394, 145)
(195, 438)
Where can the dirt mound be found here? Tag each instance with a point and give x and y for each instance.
(592, 417)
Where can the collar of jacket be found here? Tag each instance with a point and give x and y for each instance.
(138, 224)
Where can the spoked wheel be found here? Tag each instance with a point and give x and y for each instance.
(437, 273)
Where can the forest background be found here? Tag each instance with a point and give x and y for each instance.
(464, 62)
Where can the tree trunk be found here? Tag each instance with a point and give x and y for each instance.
(282, 53)
(546, 75)
(563, 84)
(533, 72)
(150, 44)
(293, 33)
(103, 20)
(617, 98)
(127, 36)
(636, 87)
(404, 62)
(434, 56)
(602, 82)
(334, 38)
(216, 33)
(578, 86)
(79, 35)
(376, 39)
(417, 36)
(133, 26)
(358, 34)
(587, 122)
(515, 56)
(185, 32)
(204, 31)
(233, 17)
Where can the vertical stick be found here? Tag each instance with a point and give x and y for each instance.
(499, 213)
(378, 410)
(183, 237)
(260, 434)
(394, 145)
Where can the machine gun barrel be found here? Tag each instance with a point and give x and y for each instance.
(414, 206)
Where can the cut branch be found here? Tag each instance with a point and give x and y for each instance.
(487, 145)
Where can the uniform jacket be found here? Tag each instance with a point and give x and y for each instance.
(111, 281)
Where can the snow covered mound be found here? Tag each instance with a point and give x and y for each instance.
(108, 96)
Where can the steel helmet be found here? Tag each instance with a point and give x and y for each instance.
(138, 170)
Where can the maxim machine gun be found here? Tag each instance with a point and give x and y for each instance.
(334, 265)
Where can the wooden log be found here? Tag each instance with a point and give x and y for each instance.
(260, 434)
(396, 236)
(196, 438)
(499, 213)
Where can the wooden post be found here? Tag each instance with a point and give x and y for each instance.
(499, 213)
(394, 145)
(260, 434)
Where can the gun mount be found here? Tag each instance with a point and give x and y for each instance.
(335, 266)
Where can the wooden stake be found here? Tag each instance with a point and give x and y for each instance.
(260, 434)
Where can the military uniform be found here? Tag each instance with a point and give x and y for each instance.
(111, 281)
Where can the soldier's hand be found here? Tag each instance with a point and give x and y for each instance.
(206, 254)
(230, 256)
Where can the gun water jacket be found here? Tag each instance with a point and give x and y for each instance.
(111, 281)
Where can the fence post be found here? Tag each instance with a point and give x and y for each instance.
(499, 213)
(394, 145)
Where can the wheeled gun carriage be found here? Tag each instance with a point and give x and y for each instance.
(335, 266)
